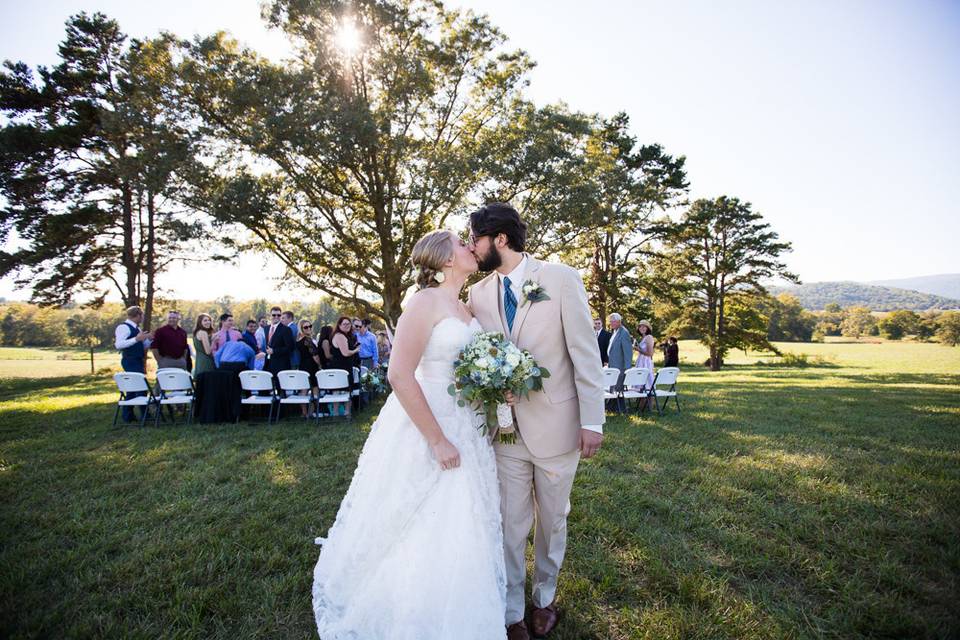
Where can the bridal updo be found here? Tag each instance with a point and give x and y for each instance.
(430, 254)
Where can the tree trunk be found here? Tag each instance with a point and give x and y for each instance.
(129, 262)
(91, 361)
(151, 266)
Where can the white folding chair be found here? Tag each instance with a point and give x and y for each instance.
(292, 382)
(635, 381)
(666, 377)
(252, 384)
(334, 389)
(166, 369)
(129, 382)
(356, 382)
(611, 385)
(176, 388)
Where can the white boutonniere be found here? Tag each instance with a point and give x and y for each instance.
(533, 292)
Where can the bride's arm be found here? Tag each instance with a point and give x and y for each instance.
(413, 333)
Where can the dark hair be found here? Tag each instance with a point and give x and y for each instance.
(499, 217)
(336, 329)
(224, 316)
(326, 333)
(366, 322)
(251, 320)
(272, 309)
(673, 338)
(289, 314)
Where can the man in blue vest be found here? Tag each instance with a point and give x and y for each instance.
(132, 343)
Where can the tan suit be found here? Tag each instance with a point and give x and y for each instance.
(536, 474)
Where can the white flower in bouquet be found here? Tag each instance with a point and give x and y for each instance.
(489, 366)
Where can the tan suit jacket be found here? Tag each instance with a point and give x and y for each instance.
(559, 334)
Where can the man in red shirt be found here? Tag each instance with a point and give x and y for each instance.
(170, 344)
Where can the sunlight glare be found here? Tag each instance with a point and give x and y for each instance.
(348, 38)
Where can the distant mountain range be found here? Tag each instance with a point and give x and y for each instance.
(944, 284)
(816, 295)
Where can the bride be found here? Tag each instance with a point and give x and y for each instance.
(416, 550)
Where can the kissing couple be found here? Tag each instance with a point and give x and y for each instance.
(430, 539)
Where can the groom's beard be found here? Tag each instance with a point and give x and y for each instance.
(491, 261)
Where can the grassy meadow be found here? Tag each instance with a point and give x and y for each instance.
(805, 496)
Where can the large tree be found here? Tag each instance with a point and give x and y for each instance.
(89, 154)
(716, 260)
(339, 160)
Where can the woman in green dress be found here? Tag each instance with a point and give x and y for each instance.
(202, 341)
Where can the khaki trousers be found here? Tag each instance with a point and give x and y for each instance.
(532, 486)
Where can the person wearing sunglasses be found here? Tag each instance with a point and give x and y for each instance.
(279, 343)
(309, 356)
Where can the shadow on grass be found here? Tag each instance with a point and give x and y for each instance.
(762, 510)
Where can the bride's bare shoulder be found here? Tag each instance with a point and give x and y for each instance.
(422, 306)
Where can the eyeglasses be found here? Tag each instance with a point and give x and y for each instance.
(275, 315)
(307, 326)
(357, 326)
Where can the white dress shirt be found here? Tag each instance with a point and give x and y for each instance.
(121, 341)
(613, 336)
(516, 281)
(516, 286)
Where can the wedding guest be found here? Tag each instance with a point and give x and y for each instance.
(383, 347)
(345, 349)
(620, 350)
(227, 329)
(279, 343)
(645, 346)
(671, 353)
(203, 345)
(325, 345)
(309, 356)
(132, 343)
(234, 354)
(169, 345)
(287, 319)
(354, 340)
(603, 340)
(261, 333)
(250, 337)
(369, 351)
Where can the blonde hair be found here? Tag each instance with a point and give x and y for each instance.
(430, 254)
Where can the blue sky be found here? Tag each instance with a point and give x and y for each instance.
(837, 120)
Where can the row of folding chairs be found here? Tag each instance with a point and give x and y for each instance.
(622, 386)
(175, 387)
(295, 388)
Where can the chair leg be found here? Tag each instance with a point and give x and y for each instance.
(116, 414)
(156, 415)
(143, 416)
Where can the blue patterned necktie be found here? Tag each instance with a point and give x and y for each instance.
(509, 303)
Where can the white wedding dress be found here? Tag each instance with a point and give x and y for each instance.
(416, 553)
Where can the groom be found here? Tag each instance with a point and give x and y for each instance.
(556, 427)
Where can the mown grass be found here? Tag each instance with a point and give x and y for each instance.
(820, 501)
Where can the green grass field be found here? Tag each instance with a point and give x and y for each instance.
(818, 501)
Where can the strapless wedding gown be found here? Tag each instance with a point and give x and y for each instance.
(416, 553)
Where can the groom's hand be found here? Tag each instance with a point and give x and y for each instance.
(590, 442)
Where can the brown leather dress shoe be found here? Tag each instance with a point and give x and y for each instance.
(518, 631)
(542, 621)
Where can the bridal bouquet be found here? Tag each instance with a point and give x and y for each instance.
(488, 366)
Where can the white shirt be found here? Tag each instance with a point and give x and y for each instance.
(516, 281)
(613, 336)
(121, 341)
(516, 286)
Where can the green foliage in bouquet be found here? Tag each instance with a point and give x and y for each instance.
(489, 366)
